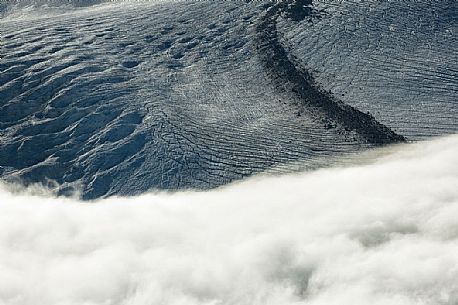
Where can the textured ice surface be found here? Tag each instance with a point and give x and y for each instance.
(396, 59)
(125, 97)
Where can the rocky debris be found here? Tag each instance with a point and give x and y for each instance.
(287, 73)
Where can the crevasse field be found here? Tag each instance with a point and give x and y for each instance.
(228, 152)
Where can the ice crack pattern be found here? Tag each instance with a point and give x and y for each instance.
(125, 97)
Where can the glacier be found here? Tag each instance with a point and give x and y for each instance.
(123, 97)
(228, 152)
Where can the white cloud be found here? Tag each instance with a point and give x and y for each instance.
(384, 233)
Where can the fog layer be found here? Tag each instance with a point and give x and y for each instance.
(383, 233)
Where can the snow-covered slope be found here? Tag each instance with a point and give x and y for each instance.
(124, 97)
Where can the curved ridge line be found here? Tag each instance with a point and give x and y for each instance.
(276, 60)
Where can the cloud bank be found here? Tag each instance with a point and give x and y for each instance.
(383, 233)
